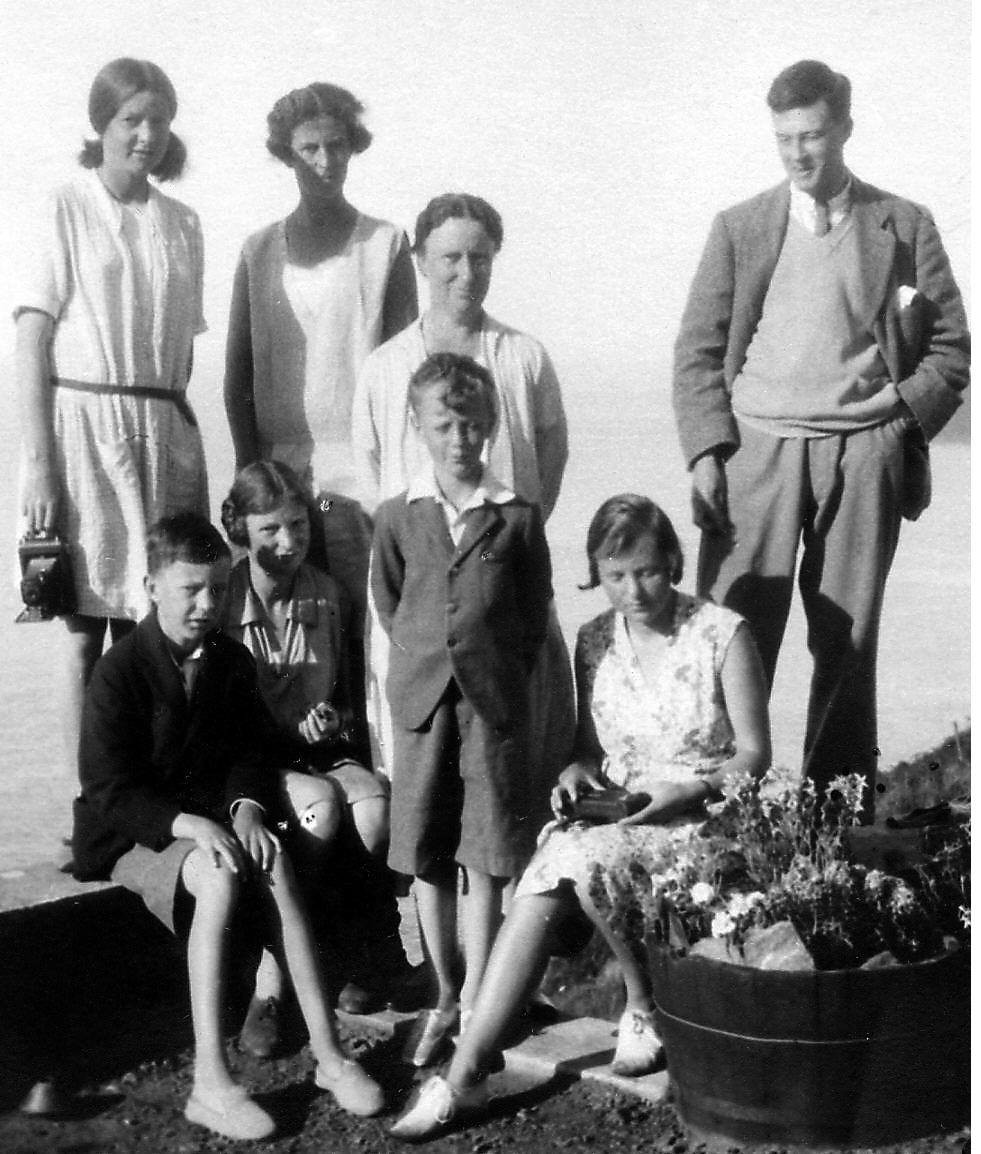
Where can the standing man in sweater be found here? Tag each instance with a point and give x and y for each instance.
(824, 343)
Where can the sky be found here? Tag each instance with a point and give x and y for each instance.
(606, 132)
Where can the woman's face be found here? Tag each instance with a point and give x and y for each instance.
(135, 140)
(279, 539)
(321, 151)
(456, 259)
(637, 582)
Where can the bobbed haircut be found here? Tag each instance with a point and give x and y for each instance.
(461, 383)
(183, 536)
(458, 206)
(113, 86)
(260, 488)
(310, 103)
(807, 82)
(620, 522)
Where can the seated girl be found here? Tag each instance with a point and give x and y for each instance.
(296, 622)
(671, 701)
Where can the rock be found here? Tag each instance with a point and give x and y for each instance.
(880, 960)
(718, 949)
(777, 947)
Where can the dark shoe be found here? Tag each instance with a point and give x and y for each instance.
(260, 1030)
(355, 999)
(408, 988)
(429, 1038)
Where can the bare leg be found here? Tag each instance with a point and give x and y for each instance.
(214, 889)
(635, 977)
(481, 922)
(82, 649)
(296, 947)
(436, 903)
(515, 968)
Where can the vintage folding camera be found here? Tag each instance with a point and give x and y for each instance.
(46, 585)
(604, 806)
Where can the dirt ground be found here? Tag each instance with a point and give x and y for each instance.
(140, 1113)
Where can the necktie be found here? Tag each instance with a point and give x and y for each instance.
(822, 223)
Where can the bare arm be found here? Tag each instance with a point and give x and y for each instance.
(239, 389)
(41, 495)
(401, 300)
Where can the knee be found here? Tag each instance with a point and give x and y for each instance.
(370, 818)
(211, 885)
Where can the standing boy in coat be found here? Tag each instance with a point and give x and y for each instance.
(461, 581)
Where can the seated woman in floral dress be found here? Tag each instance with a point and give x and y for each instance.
(672, 702)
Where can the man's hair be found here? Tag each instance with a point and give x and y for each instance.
(807, 82)
(460, 381)
(183, 536)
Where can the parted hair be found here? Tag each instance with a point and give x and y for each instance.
(807, 82)
(620, 522)
(310, 103)
(460, 382)
(113, 86)
(259, 488)
(458, 206)
(183, 536)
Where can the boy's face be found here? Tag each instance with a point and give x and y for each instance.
(189, 598)
(455, 438)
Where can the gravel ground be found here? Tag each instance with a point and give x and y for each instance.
(141, 1113)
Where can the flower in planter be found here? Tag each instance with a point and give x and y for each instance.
(774, 853)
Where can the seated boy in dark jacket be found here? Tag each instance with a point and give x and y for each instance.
(176, 783)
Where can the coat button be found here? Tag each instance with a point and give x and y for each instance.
(451, 642)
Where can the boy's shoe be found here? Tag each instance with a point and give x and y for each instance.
(639, 1050)
(260, 1030)
(231, 1113)
(352, 1088)
(430, 1036)
(439, 1104)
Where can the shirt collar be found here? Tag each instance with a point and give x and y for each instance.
(490, 491)
(802, 205)
(245, 607)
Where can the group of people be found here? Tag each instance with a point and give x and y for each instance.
(378, 688)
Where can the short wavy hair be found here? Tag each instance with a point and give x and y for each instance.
(259, 488)
(310, 103)
(461, 382)
(620, 522)
(116, 83)
(458, 206)
(807, 82)
(183, 536)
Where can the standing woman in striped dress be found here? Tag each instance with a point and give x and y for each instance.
(106, 317)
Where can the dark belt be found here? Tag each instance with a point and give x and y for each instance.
(178, 398)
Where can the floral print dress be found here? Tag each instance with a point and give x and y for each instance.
(667, 728)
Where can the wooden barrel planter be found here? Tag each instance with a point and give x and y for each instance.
(818, 1058)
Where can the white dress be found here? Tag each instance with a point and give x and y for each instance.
(671, 728)
(124, 287)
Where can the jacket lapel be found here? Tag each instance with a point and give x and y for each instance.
(877, 253)
(481, 524)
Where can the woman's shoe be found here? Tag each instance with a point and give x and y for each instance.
(260, 1030)
(353, 1090)
(639, 1050)
(231, 1113)
(430, 1036)
(439, 1104)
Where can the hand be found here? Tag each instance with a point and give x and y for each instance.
(260, 844)
(573, 780)
(321, 723)
(42, 496)
(216, 843)
(710, 496)
(669, 799)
